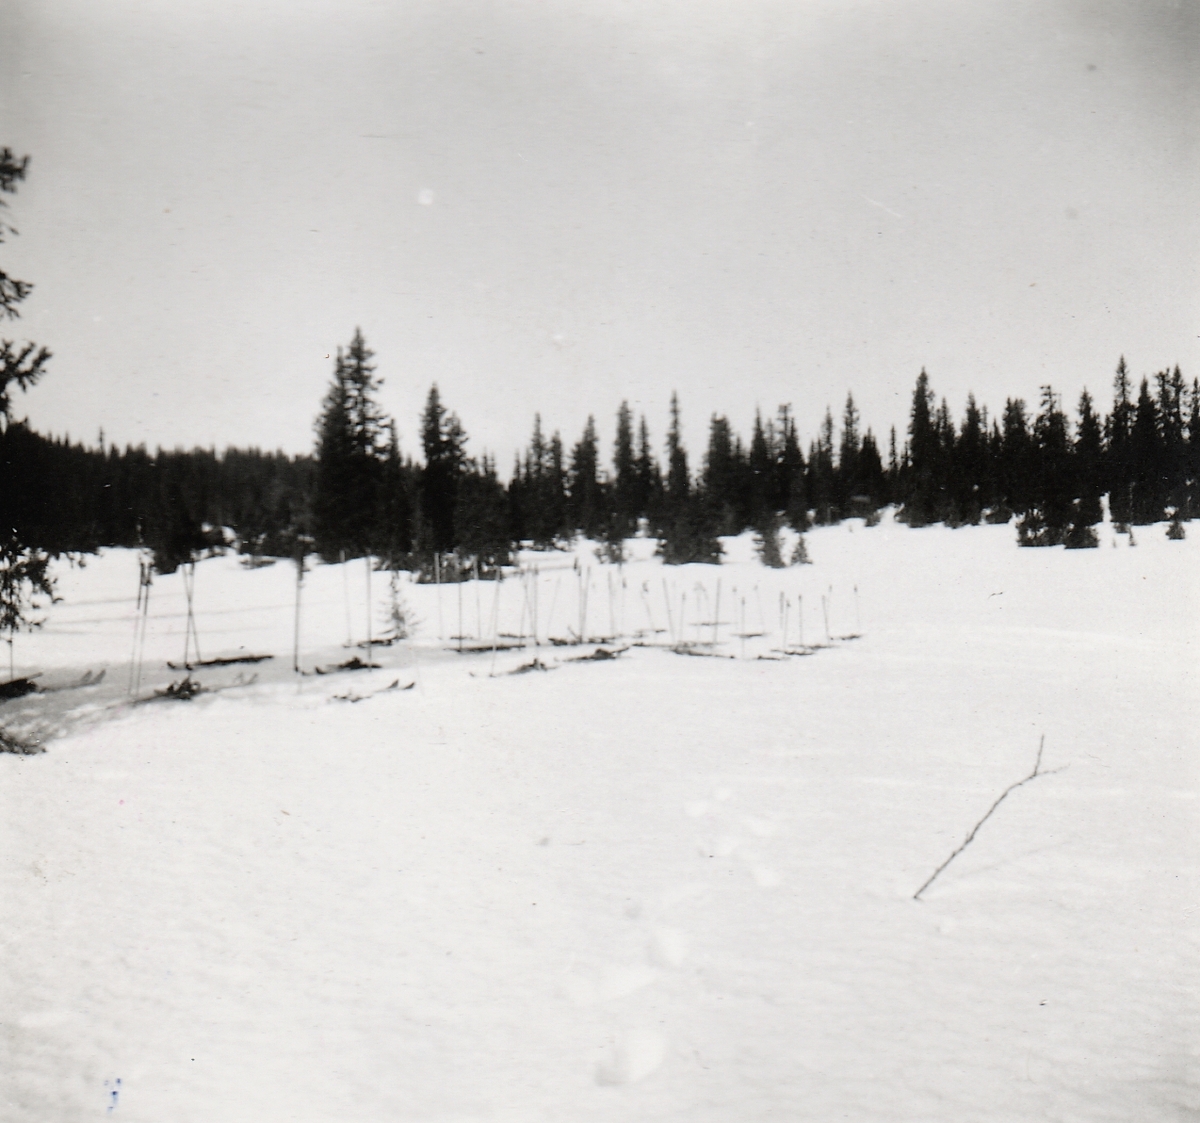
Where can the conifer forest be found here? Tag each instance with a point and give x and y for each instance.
(1047, 465)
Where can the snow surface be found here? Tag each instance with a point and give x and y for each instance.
(651, 888)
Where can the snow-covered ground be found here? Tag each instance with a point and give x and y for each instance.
(657, 887)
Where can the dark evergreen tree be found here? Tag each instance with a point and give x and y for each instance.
(760, 477)
(684, 533)
(352, 439)
(1050, 510)
(922, 491)
(792, 492)
(1119, 467)
(539, 493)
(1089, 464)
(556, 493)
(481, 518)
(1016, 458)
(176, 530)
(394, 535)
(944, 509)
(628, 503)
(1193, 454)
(872, 481)
(648, 476)
(966, 483)
(24, 565)
(893, 469)
(679, 487)
(588, 512)
(821, 474)
(721, 479)
(1146, 462)
(21, 364)
(443, 442)
(1171, 404)
(848, 497)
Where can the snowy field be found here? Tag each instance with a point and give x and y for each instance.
(657, 887)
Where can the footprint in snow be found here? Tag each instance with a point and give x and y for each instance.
(610, 984)
(761, 828)
(634, 1056)
(723, 847)
(668, 948)
(765, 877)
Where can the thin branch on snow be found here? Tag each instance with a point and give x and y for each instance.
(975, 829)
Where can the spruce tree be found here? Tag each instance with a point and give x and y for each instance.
(395, 509)
(944, 509)
(969, 458)
(443, 443)
(481, 517)
(1172, 423)
(21, 364)
(1147, 477)
(924, 451)
(24, 565)
(1089, 464)
(626, 500)
(872, 482)
(893, 469)
(792, 495)
(1016, 458)
(556, 493)
(720, 480)
(587, 500)
(175, 525)
(542, 510)
(847, 486)
(678, 479)
(1051, 508)
(684, 533)
(352, 442)
(1193, 454)
(820, 474)
(1119, 464)
(647, 474)
(761, 476)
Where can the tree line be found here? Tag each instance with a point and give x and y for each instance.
(360, 494)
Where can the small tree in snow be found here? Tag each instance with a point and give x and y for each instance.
(24, 569)
(24, 580)
(767, 546)
(400, 622)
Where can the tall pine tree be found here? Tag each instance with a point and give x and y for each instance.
(587, 500)
(1089, 464)
(352, 450)
(443, 442)
(1119, 463)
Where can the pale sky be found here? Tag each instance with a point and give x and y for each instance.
(555, 205)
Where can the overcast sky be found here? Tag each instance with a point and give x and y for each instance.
(555, 205)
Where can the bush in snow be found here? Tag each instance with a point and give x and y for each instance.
(767, 547)
(612, 547)
(400, 621)
(1034, 530)
(1081, 538)
(24, 579)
